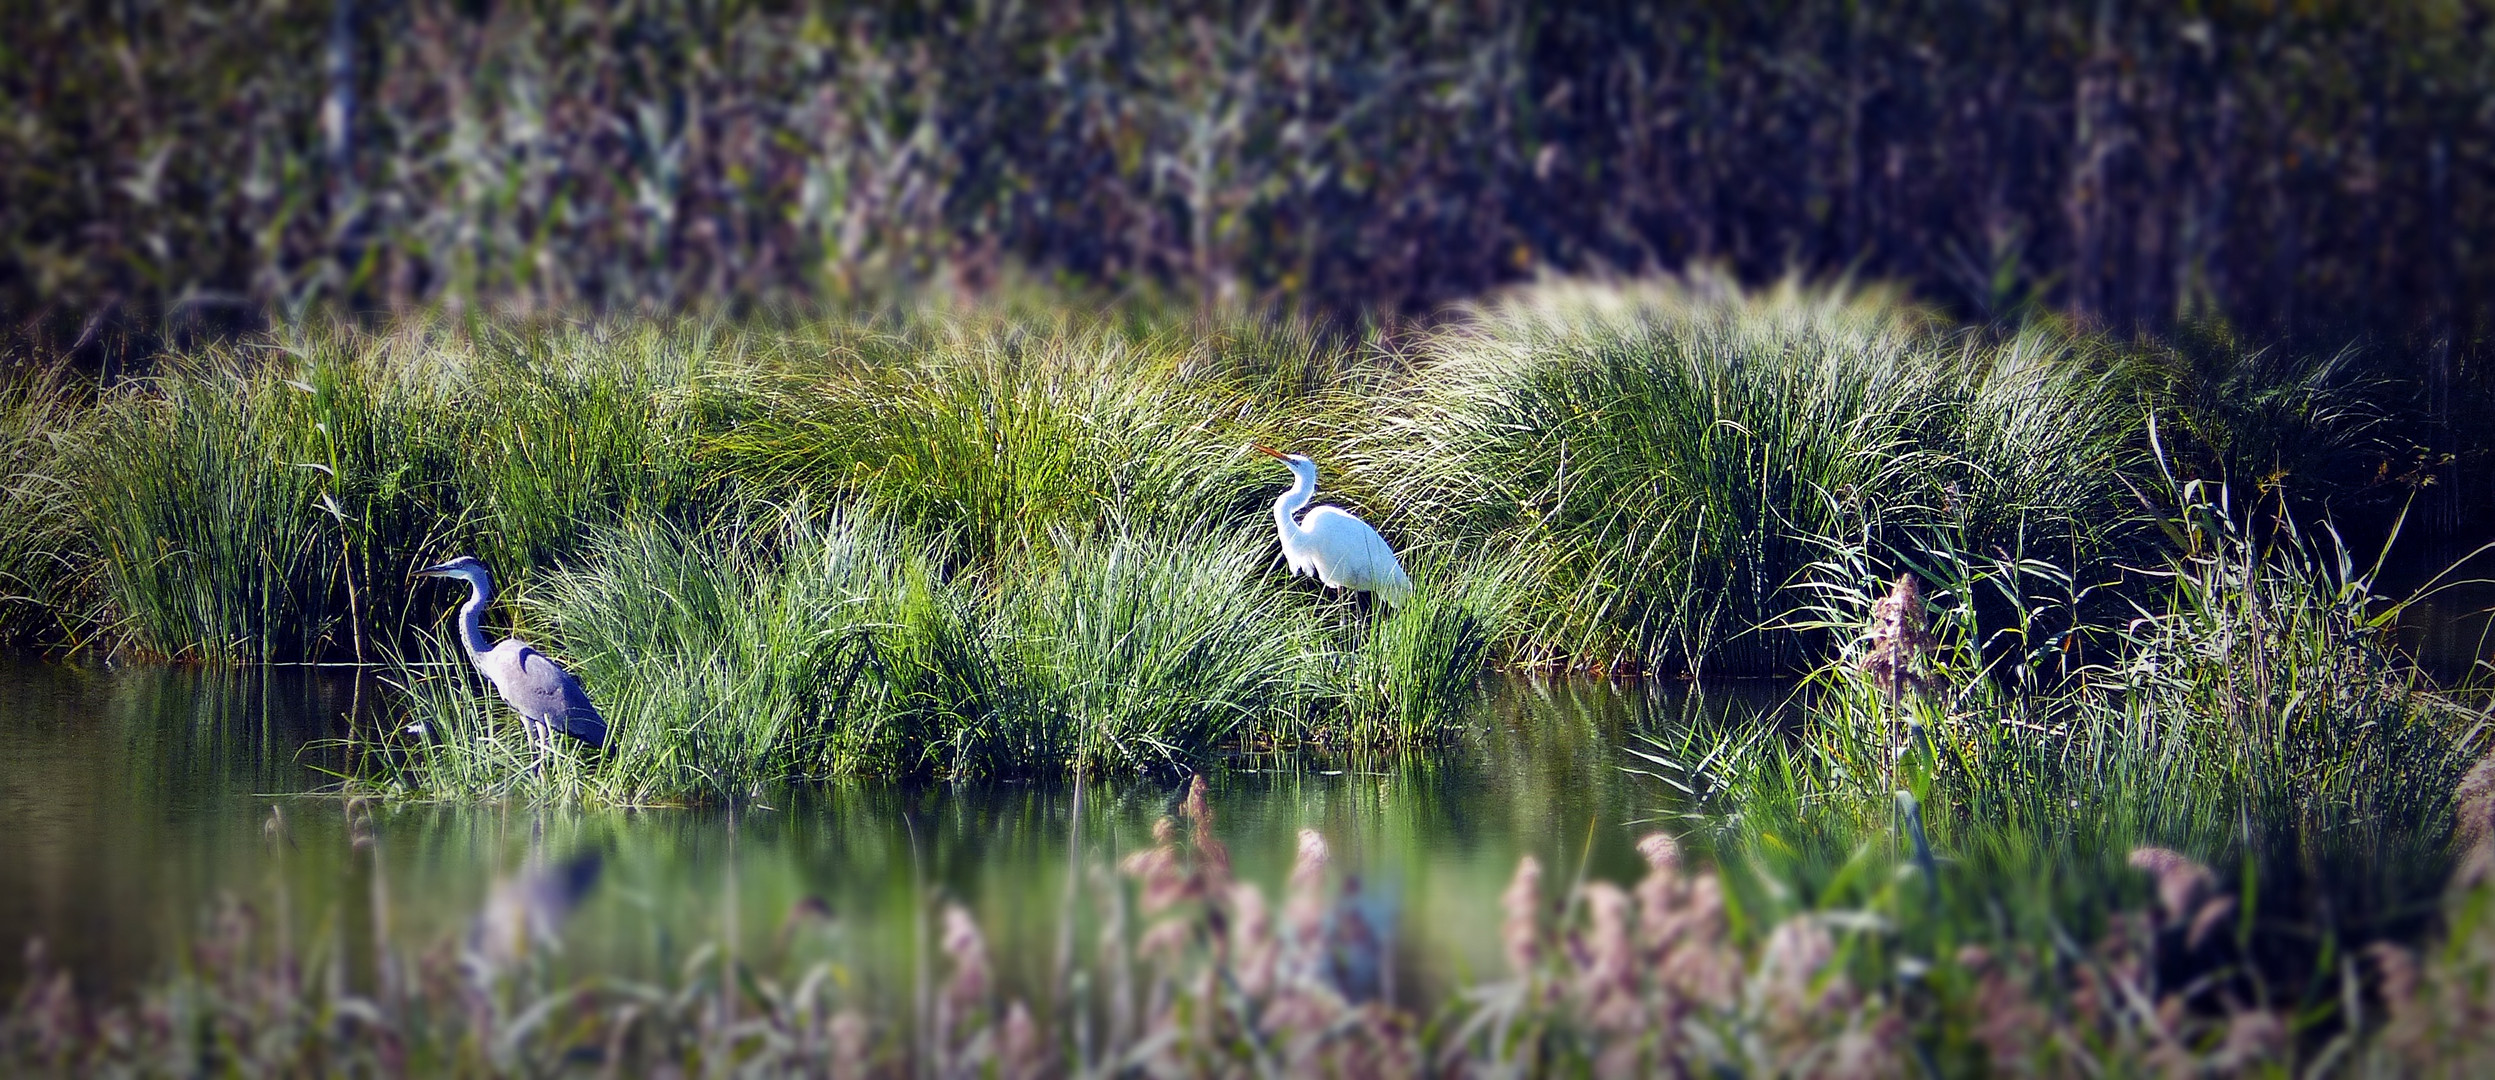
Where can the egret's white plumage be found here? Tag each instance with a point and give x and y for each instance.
(1342, 550)
(547, 697)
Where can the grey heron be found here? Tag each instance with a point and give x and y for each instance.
(547, 697)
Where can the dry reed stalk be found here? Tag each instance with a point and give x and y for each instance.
(1900, 658)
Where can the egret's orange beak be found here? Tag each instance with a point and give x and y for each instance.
(1270, 451)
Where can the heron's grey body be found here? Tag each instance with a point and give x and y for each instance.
(547, 697)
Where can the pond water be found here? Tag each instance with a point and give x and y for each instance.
(133, 798)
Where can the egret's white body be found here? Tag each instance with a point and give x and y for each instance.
(1341, 550)
(547, 697)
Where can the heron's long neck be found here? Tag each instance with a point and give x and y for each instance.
(1286, 509)
(472, 617)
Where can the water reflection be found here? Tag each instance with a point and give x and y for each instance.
(132, 798)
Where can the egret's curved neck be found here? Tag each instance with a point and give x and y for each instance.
(1286, 509)
(472, 615)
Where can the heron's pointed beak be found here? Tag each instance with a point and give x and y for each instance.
(1268, 451)
(435, 570)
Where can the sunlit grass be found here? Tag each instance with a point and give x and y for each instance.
(2253, 714)
(996, 433)
(795, 644)
(1075, 568)
(1661, 456)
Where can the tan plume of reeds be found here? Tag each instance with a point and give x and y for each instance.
(1521, 931)
(1900, 657)
(2473, 822)
(2186, 891)
(2440, 1006)
(1225, 980)
(1651, 981)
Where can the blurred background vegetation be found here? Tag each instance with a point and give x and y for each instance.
(2321, 167)
(2312, 174)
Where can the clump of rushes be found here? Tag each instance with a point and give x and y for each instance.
(1663, 453)
(265, 502)
(207, 536)
(2257, 719)
(39, 539)
(793, 644)
(1418, 665)
(996, 433)
(2272, 669)
(786, 646)
(1149, 650)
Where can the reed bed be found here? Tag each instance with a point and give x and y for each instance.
(803, 645)
(165, 162)
(997, 432)
(2235, 835)
(39, 540)
(1616, 478)
(1662, 457)
(2253, 720)
(267, 502)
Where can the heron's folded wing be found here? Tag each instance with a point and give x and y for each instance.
(547, 692)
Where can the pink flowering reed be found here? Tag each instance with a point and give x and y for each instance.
(1521, 932)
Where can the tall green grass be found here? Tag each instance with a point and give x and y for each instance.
(39, 539)
(773, 646)
(996, 433)
(1662, 456)
(266, 502)
(791, 646)
(2254, 714)
(1147, 648)
(1640, 477)
(207, 522)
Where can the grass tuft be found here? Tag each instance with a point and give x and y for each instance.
(1664, 454)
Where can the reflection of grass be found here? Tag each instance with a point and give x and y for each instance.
(1188, 965)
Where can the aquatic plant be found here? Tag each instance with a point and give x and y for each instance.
(1144, 650)
(39, 539)
(2253, 714)
(776, 646)
(207, 538)
(265, 501)
(994, 433)
(797, 643)
(1664, 454)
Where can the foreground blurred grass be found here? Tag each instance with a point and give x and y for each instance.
(1728, 957)
(1011, 537)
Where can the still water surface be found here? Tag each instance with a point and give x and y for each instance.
(133, 798)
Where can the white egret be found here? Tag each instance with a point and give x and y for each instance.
(547, 697)
(1342, 550)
